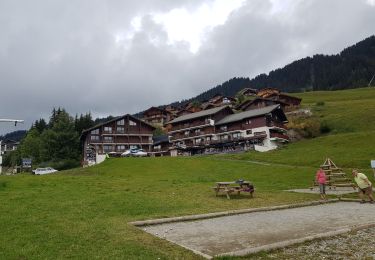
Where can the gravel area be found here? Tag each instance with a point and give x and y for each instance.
(337, 191)
(251, 230)
(355, 245)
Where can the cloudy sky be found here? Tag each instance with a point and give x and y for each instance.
(117, 57)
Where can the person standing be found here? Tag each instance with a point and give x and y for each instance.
(321, 179)
(364, 185)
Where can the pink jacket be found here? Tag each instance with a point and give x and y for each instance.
(321, 177)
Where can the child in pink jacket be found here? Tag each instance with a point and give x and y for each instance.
(321, 179)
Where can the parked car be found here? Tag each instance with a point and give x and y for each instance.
(139, 153)
(41, 171)
(134, 152)
(127, 153)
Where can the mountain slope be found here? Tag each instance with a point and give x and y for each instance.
(352, 68)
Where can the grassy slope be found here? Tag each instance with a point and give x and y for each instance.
(84, 213)
(351, 116)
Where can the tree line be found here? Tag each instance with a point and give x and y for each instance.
(354, 67)
(55, 143)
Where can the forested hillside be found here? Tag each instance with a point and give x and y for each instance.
(354, 67)
(15, 135)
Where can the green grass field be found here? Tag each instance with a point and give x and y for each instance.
(84, 213)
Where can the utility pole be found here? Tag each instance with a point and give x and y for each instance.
(369, 84)
(15, 121)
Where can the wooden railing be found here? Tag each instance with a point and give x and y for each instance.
(279, 135)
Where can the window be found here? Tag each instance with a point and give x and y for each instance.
(197, 131)
(108, 129)
(120, 147)
(107, 148)
(236, 135)
(248, 122)
(95, 138)
(249, 132)
(224, 137)
(121, 122)
(95, 132)
(108, 139)
(132, 123)
(223, 128)
(208, 138)
(120, 129)
(150, 139)
(187, 133)
(197, 141)
(157, 147)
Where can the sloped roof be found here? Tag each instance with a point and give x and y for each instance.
(247, 114)
(197, 114)
(115, 119)
(160, 139)
(248, 102)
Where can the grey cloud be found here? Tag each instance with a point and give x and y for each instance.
(59, 53)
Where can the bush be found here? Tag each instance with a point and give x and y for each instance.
(324, 128)
(306, 127)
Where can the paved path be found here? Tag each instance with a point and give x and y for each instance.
(250, 230)
(337, 191)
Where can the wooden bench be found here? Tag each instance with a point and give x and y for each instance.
(230, 187)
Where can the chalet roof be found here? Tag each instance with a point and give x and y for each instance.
(248, 102)
(247, 114)
(154, 108)
(160, 139)
(287, 95)
(251, 90)
(202, 113)
(115, 119)
(208, 106)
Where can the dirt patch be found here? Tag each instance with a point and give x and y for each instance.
(251, 230)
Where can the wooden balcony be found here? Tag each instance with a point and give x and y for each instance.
(279, 136)
(278, 125)
(195, 124)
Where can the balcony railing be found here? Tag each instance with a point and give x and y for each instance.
(279, 136)
(279, 125)
(201, 123)
(127, 132)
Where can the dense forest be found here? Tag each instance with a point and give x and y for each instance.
(352, 68)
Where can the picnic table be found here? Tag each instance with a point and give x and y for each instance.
(228, 187)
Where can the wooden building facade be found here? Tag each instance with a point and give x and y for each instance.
(193, 130)
(116, 136)
(220, 130)
(157, 116)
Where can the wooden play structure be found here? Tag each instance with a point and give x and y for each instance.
(335, 176)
